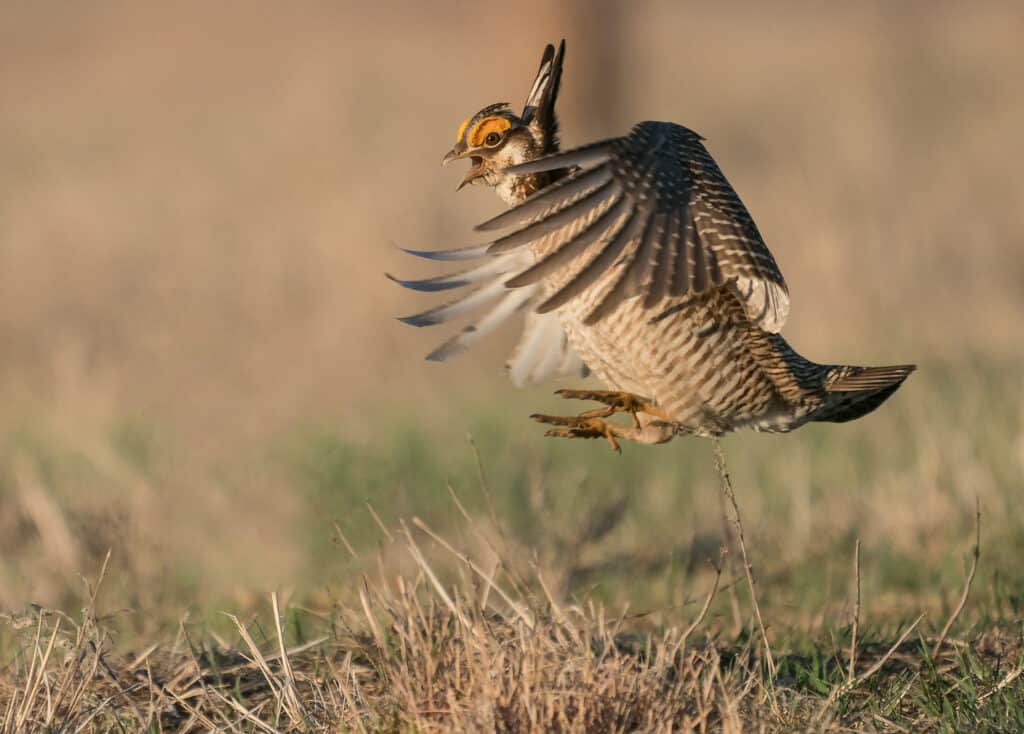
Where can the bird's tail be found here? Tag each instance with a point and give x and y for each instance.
(856, 391)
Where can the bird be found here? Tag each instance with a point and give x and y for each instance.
(633, 259)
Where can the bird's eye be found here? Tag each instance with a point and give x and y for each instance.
(492, 139)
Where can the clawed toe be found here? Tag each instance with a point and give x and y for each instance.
(617, 402)
(578, 426)
(556, 420)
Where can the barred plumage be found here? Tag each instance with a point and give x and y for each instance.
(656, 273)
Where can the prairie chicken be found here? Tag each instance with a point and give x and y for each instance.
(635, 259)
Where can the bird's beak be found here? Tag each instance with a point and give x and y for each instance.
(459, 151)
(475, 171)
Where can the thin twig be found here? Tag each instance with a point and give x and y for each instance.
(731, 495)
(704, 609)
(380, 523)
(730, 559)
(970, 579)
(344, 540)
(856, 612)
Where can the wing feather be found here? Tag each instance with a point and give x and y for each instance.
(460, 253)
(511, 302)
(556, 220)
(543, 352)
(587, 275)
(585, 155)
(663, 268)
(554, 197)
(628, 266)
(575, 246)
(458, 307)
(702, 235)
(453, 280)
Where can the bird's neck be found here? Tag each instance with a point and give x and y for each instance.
(515, 189)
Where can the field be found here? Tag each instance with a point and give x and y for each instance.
(234, 497)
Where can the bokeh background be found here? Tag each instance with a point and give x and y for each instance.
(201, 371)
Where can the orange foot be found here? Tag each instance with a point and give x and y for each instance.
(617, 402)
(579, 426)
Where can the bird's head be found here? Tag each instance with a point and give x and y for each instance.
(493, 139)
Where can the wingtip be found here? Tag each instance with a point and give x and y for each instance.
(425, 254)
(430, 285)
(416, 320)
(461, 253)
(449, 349)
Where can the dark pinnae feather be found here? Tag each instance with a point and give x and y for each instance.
(540, 103)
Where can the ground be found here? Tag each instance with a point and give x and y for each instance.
(530, 583)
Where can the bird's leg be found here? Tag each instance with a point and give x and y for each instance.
(580, 426)
(617, 402)
(591, 424)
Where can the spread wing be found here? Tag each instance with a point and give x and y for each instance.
(543, 351)
(652, 205)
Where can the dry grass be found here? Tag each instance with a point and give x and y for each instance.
(486, 653)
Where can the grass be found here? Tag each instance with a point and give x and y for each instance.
(458, 645)
(529, 584)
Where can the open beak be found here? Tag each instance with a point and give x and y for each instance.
(475, 170)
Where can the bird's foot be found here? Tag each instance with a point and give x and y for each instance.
(616, 402)
(579, 426)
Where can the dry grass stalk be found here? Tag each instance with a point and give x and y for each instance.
(731, 496)
(975, 555)
(730, 559)
(856, 612)
(703, 610)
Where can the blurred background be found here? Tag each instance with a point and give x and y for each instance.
(200, 366)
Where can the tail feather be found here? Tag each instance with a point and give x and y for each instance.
(854, 392)
(855, 379)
